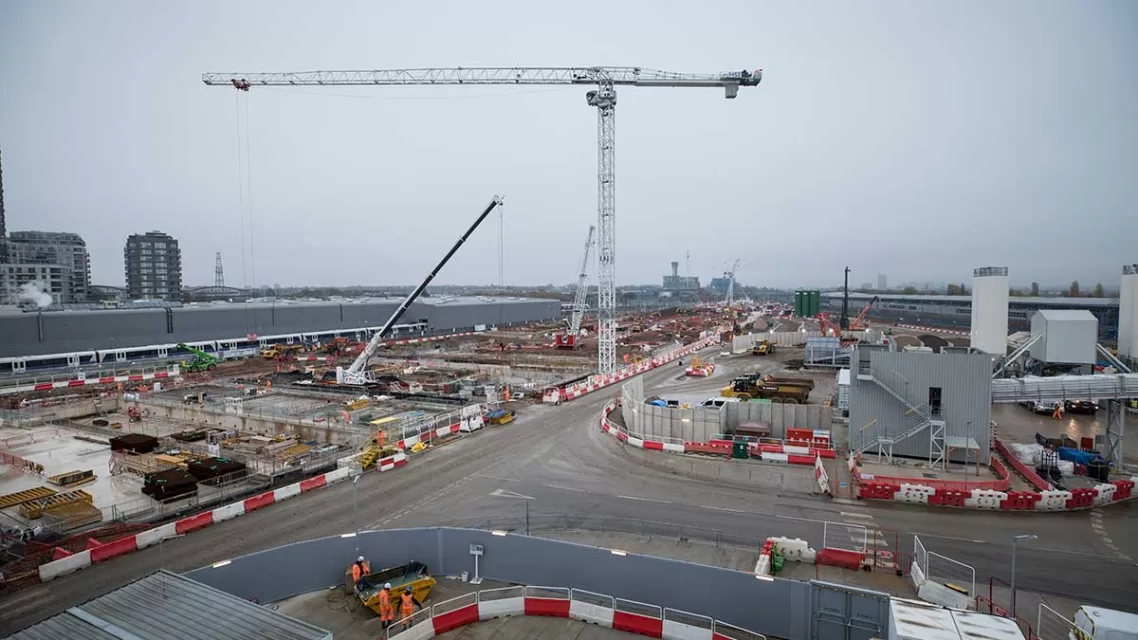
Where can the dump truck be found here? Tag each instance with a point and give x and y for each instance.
(748, 388)
(786, 380)
(278, 350)
(413, 574)
(763, 348)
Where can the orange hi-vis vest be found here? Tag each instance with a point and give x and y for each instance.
(407, 607)
(359, 570)
(386, 611)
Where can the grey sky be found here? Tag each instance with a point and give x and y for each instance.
(917, 139)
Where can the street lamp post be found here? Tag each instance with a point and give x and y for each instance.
(356, 526)
(1016, 540)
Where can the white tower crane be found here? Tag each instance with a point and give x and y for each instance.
(578, 314)
(731, 283)
(606, 79)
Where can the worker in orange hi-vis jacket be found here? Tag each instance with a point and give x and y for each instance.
(386, 611)
(407, 607)
(360, 571)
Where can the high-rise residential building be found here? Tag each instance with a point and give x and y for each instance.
(882, 282)
(153, 264)
(57, 248)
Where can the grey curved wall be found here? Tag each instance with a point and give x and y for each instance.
(779, 608)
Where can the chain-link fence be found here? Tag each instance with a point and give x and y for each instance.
(951, 573)
(851, 537)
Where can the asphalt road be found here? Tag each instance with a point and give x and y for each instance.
(557, 463)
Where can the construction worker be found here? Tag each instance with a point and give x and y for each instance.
(386, 611)
(407, 607)
(360, 571)
(1057, 414)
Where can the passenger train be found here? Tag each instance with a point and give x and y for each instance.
(230, 349)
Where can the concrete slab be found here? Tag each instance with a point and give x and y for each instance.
(60, 451)
(918, 470)
(1018, 424)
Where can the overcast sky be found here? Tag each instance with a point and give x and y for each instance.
(916, 139)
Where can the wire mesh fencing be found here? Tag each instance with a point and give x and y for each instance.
(951, 573)
(850, 537)
(1052, 625)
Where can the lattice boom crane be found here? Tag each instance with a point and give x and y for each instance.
(569, 340)
(605, 79)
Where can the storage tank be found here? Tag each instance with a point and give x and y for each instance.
(990, 310)
(1128, 313)
(815, 298)
(799, 305)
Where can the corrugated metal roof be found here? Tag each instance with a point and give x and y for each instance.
(165, 605)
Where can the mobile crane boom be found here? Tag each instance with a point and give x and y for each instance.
(582, 288)
(603, 97)
(356, 373)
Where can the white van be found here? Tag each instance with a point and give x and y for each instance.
(717, 402)
(1097, 623)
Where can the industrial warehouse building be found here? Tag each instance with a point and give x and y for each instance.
(37, 333)
(956, 311)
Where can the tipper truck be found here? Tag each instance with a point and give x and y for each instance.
(750, 388)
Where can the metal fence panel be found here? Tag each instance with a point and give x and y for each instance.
(839, 535)
(951, 573)
(846, 613)
(1051, 625)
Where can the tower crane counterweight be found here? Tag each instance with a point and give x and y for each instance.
(606, 79)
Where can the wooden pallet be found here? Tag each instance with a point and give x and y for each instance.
(35, 508)
(72, 478)
(73, 515)
(20, 497)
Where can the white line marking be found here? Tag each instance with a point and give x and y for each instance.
(486, 475)
(562, 488)
(502, 493)
(645, 499)
(856, 515)
(727, 509)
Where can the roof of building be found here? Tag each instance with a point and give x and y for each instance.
(165, 605)
(1036, 301)
(1067, 315)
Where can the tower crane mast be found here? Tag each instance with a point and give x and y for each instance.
(603, 97)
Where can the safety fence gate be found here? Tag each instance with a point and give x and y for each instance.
(1052, 625)
(847, 613)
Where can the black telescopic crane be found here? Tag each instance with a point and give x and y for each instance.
(356, 374)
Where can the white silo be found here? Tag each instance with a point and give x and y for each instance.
(990, 310)
(1128, 313)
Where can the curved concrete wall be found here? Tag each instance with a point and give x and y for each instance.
(775, 607)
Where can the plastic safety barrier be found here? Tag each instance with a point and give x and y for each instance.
(259, 502)
(64, 566)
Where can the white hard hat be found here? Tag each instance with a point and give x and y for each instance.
(360, 559)
(386, 585)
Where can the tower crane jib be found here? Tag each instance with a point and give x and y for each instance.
(605, 79)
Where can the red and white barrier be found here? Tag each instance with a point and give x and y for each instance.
(821, 477)
(871, 488)
(950, 332)
(103, 552)
(595, 383)
(173, 371)
(392, 462)
(796, 455)
(559, 602)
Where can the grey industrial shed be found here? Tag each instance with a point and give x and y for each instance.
(167, 606)
(28, 334)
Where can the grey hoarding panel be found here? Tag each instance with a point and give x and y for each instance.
(726, 595)
(847, 613)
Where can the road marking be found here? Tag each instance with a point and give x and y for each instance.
(645, 499)
(563, 488)
(502, 493)
(727, 509)
(856, 515)
(486, 475)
